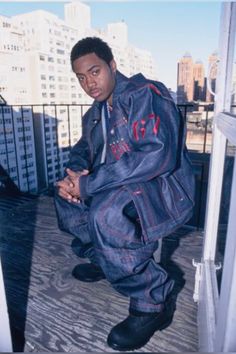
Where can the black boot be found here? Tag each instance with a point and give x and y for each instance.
(88, 273)
(136, 330)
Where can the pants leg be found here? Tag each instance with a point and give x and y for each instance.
(73, 218)
(125, 257)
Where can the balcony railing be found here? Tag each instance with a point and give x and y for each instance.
(35, 141)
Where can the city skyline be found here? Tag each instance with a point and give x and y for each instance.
(197, 34)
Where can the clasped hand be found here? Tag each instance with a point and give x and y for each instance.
(68, 188)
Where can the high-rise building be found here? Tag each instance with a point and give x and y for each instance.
(185, 79)
(14, 68)
(17, 152)
(17, 146)
(199, 81)
(78, 16)
(48, 41)
(192, 81)
(211, 76)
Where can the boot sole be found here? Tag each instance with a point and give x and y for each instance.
(89, 280)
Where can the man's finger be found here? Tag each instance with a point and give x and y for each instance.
(64, 194)
(71, 173)
(85, 172)
(64, 183)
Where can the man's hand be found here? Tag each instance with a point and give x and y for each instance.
(68, 188)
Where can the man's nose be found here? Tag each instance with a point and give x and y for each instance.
(90, 81)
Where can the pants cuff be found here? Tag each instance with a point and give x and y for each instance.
(140, 306)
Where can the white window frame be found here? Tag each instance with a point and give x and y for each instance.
(217, 313)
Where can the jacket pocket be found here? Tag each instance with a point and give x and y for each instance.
(162, 205)
(175, 197)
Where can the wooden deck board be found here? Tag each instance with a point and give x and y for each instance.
(57, 312)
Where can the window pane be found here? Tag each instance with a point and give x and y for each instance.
(224, 208)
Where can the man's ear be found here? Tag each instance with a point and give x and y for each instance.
(113, 66)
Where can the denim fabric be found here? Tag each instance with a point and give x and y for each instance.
(73, 218)
(119, 247)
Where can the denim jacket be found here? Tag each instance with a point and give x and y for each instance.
(146, 154)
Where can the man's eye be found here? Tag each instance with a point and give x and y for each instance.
(80, 78)
(95, 72)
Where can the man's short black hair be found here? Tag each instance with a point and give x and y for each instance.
(91, 45)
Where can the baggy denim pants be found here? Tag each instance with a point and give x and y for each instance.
(110, 235)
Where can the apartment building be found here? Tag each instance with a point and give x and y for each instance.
(17, 152)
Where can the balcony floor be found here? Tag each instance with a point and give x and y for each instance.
(58, 313)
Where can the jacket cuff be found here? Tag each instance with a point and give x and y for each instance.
(83, 187)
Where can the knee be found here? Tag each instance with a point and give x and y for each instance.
(95, 215)
(71, 217)
(98, 221)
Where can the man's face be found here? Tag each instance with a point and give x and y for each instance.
(95, 76)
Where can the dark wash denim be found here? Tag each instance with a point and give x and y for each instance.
(143, 191)
(112, 238)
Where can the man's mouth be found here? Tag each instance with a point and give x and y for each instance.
(95, 93)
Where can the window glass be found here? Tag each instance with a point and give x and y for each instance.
(224, 209)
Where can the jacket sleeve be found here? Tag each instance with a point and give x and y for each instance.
(153, 126)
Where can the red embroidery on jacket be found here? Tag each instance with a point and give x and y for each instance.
(143, 131)
(135, 130)
(156, 125)
(140, 127)
(118, 148)
(155, 89)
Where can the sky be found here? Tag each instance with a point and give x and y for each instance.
(168, 29)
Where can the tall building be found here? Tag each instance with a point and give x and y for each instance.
(48, 41)
(78, 16)
(192, 81)
(17, 145)
(14, 68)
(212, 74)
(199, 81)
(185, 79)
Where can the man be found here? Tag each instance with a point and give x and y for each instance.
(128, 183)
